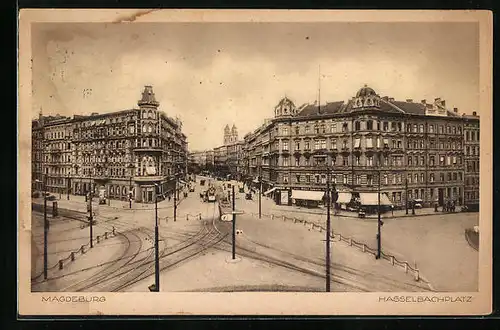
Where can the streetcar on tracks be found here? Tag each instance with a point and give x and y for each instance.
(211, 194)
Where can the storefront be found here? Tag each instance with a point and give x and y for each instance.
(307, 198)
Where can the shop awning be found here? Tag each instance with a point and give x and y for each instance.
(372, 199)
(270, 191)
(308, 195)
(344, 197)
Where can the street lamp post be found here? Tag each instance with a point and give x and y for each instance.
(130, 167)
(45, 226)
(378, 221)
(157, 257)
(328, 231)
(91, 216)
(260, 192)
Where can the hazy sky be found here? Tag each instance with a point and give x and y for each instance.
(213, 74)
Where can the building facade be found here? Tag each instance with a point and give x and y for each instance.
(415, 149)
(125, 152)
(471, 152)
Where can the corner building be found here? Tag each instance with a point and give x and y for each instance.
(416, 149)
(129, 151)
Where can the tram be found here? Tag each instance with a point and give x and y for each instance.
(211, 195)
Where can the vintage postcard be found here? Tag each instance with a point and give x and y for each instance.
(236, 162)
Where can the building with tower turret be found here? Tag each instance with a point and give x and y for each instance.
(415, 149)
(124, 153)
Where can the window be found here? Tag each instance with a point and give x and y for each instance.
(297, 131)
(344, 144)
(369, 161)
(297, 178)
(454, 159)
(449, 176)
(316, 144)
(440, 129)
(386, 179)
(369, 125)
(285, 161)
(345, 161)
(410, 160)
(306, 129)
(441, 160)
(307, 161)
(431, 177)
(334, 144)
(416, 178)
(306, 145)
(323, 144)
(357, 143)
(357, 160)
(400, 144)
(285, 145)
(460, 176)
(357, 126)
(297, 145)
(386, 143)
(369, 179)
(316, 129)
(285, 178)
(323, 128)
(333, 128)
(323, 179)
(385, 126)
(400, 127)
(422, 177)
(358, 179)
(378, 126)
(393, 126)
(333, 160)
(344, 179)
(308, 178)
(421, 128)
(344, 127)
(369, 142)
(285, 130)
(455, 176)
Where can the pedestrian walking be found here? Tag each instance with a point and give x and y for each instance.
(392, 209)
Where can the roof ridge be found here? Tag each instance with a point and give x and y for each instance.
(393, 105)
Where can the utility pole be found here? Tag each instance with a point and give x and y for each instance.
(234, 227)
(91, 217)
(175, 198)
(45, 228)
(260, 191)
(328, 232)
(68, 186)
(379, 221)
(406, 193)
(157, 257)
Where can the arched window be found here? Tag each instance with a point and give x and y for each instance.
(357, 126)
(150, 129)
(151, 114)
(144, 115)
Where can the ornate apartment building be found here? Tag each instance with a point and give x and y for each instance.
(415, 149)
(471, 153)
(129, 151)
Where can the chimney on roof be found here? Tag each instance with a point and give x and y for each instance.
(455, 110)
(391, 99)
(474, 113)
(443, 103)
(409, 100)
(424, 101)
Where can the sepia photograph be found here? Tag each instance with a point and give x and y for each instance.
(255, 154)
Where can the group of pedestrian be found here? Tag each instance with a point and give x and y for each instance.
(449, 206)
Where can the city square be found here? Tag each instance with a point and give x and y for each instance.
(288, 172)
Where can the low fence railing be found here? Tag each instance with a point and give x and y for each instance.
(82, 250)
(351, 242)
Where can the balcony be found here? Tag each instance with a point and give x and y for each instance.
(148, 149)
